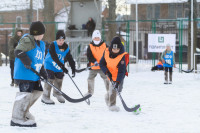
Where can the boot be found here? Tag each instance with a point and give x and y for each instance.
(166, 78)
(170, 77)
(107, 99)
(58, 84)
(112, 95)
(36, 95)
(22, 102)
(47, 92)
(12, 83)
(91, 86)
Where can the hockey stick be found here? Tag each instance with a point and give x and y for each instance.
(186, 71)
(83, 69)
(123, 103)
(86, 100)
(62, 93)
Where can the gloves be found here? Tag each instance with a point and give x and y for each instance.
(43, 73)
(73, 73)
(27, 66)
(109, 75)
(96, 63)
(65, 70)
(116, 85)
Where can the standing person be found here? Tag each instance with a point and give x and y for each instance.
(55, 60)
(113, 64)
(168, 60)
(95, 51)
(12, 44)
(29, 54)
(90, 26)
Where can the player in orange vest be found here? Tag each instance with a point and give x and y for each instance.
(113, 64)
(94, 53)
(159, 66)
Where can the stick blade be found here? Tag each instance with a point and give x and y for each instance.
(75, 100)
(131, 109)
(80, 70)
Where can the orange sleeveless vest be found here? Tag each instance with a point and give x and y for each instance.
(160, 63)
(112, 63)
(97, 52)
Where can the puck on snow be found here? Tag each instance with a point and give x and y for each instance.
(137, 112)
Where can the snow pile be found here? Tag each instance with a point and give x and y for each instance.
(165, 108)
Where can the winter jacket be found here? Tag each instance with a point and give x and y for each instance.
(13, 43)
(90, 25)
(164, 53)
(26, 55)
(121, 65)
(68, 57)
(95, 52)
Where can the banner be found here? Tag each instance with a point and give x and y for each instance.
(157, 42)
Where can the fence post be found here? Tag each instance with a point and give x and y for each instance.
(154, 31)
(181, 44)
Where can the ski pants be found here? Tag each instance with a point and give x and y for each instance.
(92, 75)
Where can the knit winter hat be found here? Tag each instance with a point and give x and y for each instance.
(168, 45)
(96, 33)
(37, 28)
(116, 43)
(60, 35)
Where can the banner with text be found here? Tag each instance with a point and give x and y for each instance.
(157, 42)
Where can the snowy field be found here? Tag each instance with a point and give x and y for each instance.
(165, 108)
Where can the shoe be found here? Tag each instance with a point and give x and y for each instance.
(166, 82)
(114, 108)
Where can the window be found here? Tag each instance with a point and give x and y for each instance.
(186, 13)
(179, 11)
(18, 21)
(171, 11)
(157, 11)
(149, 12)
(153, 11)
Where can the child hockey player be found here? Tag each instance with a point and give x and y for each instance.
(58, 54)
(168, 60)
(159, 66)
(94, 53)
(29, 54)
(113, 64)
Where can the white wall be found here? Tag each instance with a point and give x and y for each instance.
(80, 15)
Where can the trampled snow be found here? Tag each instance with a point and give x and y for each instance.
(165, 108)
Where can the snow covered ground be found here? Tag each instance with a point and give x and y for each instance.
(165, 108)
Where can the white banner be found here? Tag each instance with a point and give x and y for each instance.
(157, 42)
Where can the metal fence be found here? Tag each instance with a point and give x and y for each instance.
(127, 31)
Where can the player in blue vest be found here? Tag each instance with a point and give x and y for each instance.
(168, 60)
(29, 54)
(56, 57)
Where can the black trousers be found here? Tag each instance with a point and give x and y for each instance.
(12, 69)
(168, 69)
(53, 75)
(27, 86)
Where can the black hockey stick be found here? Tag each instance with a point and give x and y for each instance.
(62, 93)
(186, 71)
(123, 103)
(83, 69)
(86, 100)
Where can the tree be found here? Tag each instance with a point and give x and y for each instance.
(194, 32)
(112, 17)
(49, 16)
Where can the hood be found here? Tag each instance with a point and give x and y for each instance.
(15, 36)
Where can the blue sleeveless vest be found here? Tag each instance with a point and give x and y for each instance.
(50, 64)
(168, 59)
(37, 57)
